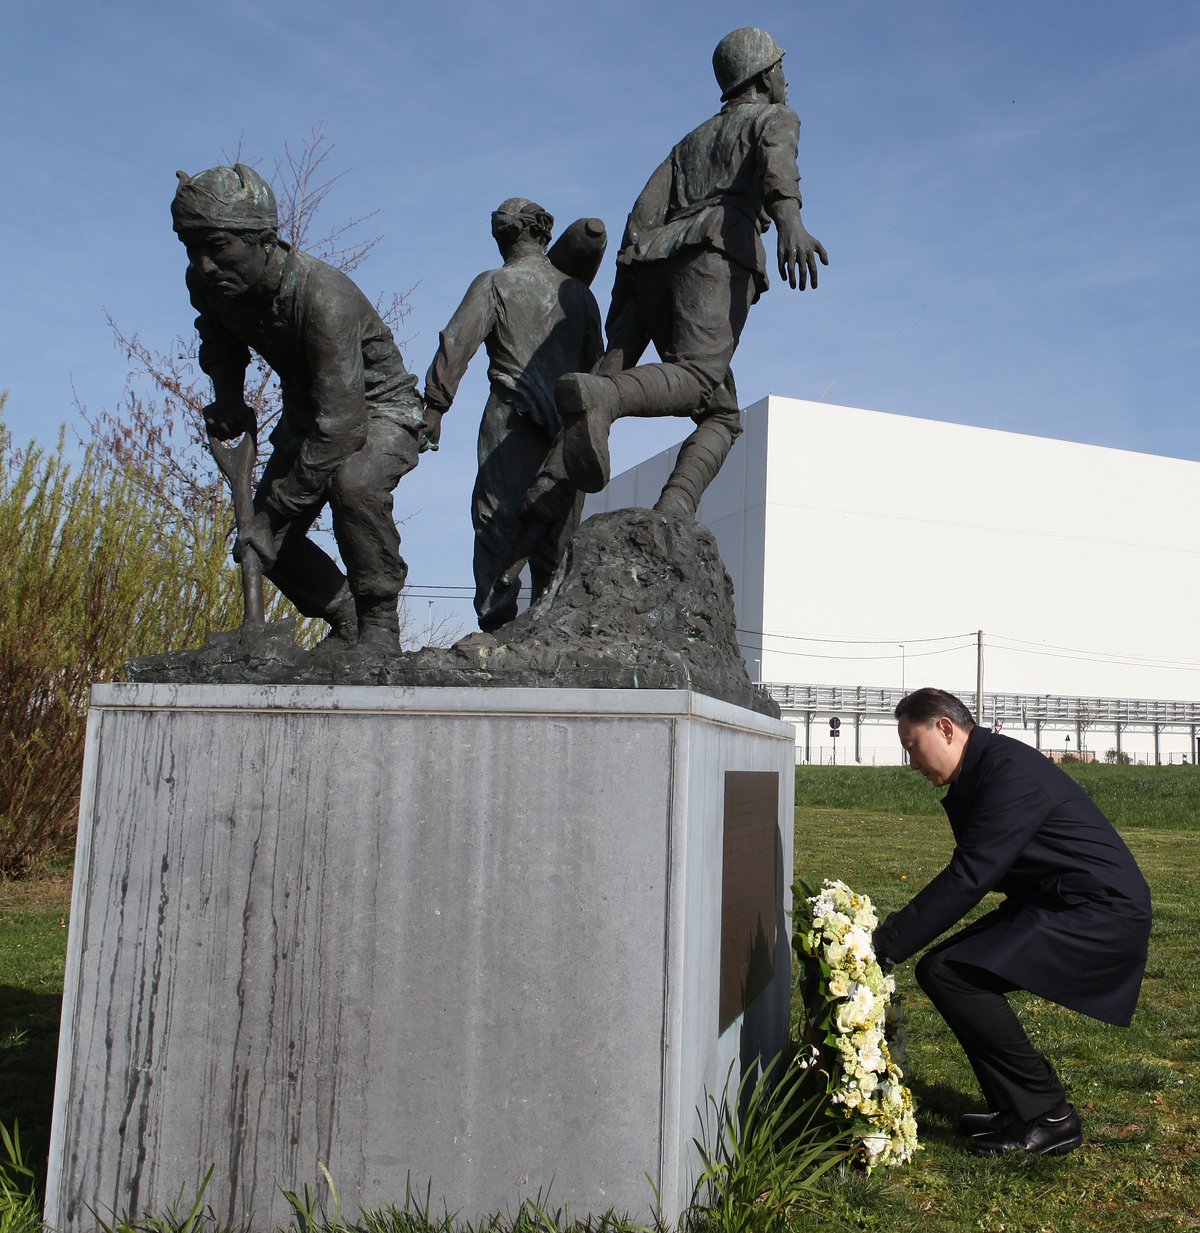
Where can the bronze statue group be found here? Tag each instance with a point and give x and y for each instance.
(691, 263)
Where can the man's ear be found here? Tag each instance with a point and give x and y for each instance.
(945, 727)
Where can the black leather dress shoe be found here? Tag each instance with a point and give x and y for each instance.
(1046, 1136)
(972, 1124)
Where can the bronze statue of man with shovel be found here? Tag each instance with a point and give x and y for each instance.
(351, 423)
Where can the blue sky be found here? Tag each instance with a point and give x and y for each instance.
(1008, 193)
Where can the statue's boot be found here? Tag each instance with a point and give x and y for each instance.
(342, 635)
(342, 615)
(378, 625)
(589, 404)
(700, 458)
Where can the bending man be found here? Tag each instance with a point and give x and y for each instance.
(1073, 928)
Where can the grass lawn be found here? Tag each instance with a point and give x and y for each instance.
(882, 831)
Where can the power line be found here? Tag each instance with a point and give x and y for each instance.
(1047, 647)
(762, 633)
(999, 642)
(963, 646)
(1098, 658)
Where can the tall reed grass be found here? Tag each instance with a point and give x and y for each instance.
(94, 573)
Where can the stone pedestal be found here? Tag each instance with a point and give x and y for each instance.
(500, 942)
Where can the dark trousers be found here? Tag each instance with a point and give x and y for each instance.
(359, 496)
(512, 450)
(1013, 1076)
(692, 306)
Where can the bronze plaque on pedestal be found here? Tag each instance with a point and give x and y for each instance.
(749, 872)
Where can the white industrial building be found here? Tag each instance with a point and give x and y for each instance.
(873, 553)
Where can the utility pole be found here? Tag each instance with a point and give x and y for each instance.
(979, 677)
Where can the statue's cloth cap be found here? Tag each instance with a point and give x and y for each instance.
(520, 211)
(224, 199)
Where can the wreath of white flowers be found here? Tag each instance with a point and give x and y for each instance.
(856, 1036)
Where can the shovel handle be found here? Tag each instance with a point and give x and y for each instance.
(236, 464)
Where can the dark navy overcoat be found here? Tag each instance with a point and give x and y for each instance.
(1076, 921)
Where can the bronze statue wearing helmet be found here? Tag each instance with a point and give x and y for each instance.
(690, 267)
(741, 55)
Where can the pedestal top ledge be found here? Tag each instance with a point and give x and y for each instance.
(670, 703)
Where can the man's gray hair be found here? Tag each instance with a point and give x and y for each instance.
(923, 706)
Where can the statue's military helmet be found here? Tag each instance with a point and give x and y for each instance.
(224, 199)
(741, 56)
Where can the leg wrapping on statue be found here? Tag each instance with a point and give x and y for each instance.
(1013, 1076)
(660, 389)
(700, 458)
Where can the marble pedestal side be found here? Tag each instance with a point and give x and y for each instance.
(483, 940)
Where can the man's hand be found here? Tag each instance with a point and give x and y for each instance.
(226, 420)
(431, 430)
(263, 535)
(798, 252)
(879, 941)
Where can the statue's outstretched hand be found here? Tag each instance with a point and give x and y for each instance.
(226, 420)
(798, 253)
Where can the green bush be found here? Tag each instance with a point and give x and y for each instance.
(96, 573)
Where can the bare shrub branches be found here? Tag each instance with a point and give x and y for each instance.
(157, 426)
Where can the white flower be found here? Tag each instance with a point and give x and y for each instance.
(858, 943)
(858, 1010)
(871, 1058)
(839, 984)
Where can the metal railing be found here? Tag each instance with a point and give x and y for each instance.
(881, 701)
